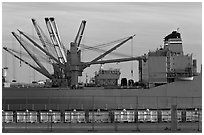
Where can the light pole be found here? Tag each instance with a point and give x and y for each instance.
(197, 113)
(26, 119)
(50, 114)
(137, 115)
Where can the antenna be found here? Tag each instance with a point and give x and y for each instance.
(177, 29)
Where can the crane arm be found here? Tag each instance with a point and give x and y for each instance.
(55, 39)
(39, 33)
(31, 55)
(112, 61)
(37, 29)
(35, 68)
(62, 47)
(112, 49)
(35, 44)
(48, 46)
(79, 35)
(55, 29)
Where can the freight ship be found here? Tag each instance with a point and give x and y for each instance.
(168, 93)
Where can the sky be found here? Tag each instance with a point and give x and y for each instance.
(106, 22)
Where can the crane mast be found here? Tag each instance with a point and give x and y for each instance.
(75, 56)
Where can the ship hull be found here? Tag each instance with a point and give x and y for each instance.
(183, 93)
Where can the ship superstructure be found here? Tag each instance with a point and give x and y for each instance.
(167, 64)
(107, 77)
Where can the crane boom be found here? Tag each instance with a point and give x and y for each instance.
(48, 46)
(112, 49)
(79, 35)
(35, 68)
(40, 35)
(37, 29)
(35, 44)
(62, 47)
(55, 41)
(31, 55)
(112, 61)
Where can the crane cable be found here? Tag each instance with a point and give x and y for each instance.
(85, 47)
(13, 62)
(5, 54)
(33, 51)
(131, 56)
(20, 50)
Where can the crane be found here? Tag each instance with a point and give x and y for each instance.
(74, 56)
(77, 66)
(57, 65)
(67, 66)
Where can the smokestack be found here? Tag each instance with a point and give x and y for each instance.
(194, 66)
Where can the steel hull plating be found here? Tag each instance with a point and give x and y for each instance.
(183, 93)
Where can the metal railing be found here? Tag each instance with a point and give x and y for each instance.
(102, 114)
